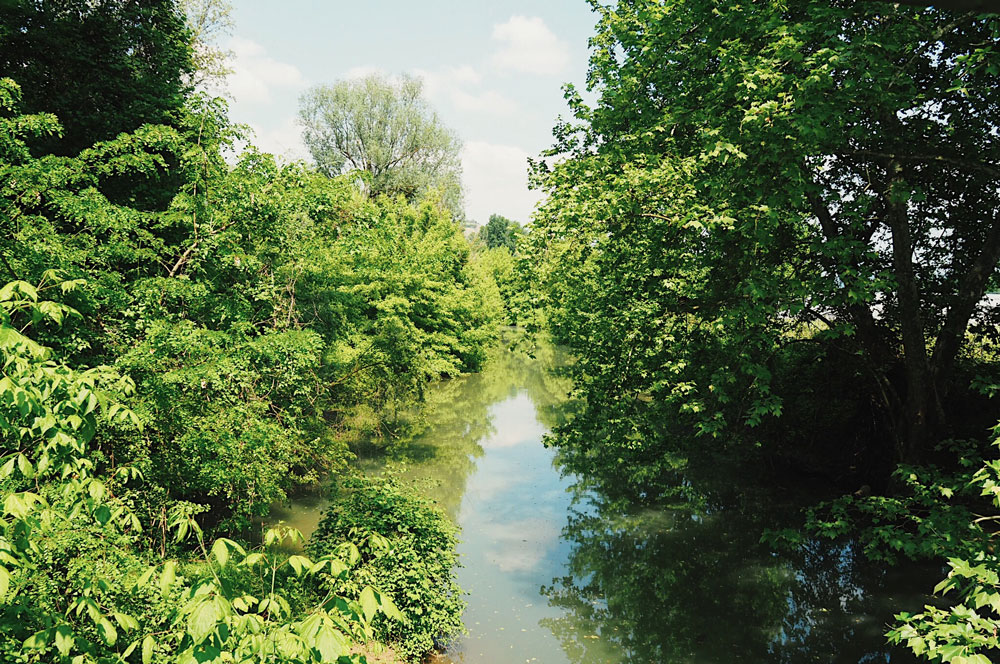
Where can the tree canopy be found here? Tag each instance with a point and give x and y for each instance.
(500, 231)
(771, 236)
(101, 67)
(209, 20)
(745, 178)
(384, 129)
(182, 334)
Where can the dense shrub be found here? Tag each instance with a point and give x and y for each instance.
(407, 551)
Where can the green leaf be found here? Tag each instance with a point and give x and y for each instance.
(102, 514)
(330, 643)
(64, 639)
(125, 621)
(221, 552)
(369, 605)
(167, 576)
(147, 649)
(254, 558)
(8, 467)
(38, 640)
(107, 630)
(300, 564)
(145, 577)
(951, 652)
(203, 620)
(25, 466)
(128, 651)
(390, 609)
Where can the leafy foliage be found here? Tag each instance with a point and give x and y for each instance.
(408, 552)
(266, 316)
(102, 67)
(738, 188)
(930, 516)
(500, 231)
(762, 188)
(966, 631)
(385, 131)
(73, 581)
(251, 323)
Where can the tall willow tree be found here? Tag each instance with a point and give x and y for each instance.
(385, 130)
(758, 172)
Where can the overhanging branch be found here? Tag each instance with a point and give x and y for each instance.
(970, 164)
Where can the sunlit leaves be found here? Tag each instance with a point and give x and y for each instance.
(211, 613)
(405, 548)
(167, 577)
(266, 312)
(221, 549)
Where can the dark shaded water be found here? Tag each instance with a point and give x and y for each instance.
(556, 574)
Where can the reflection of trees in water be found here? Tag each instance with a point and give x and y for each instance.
(692, 583)
(445, 438)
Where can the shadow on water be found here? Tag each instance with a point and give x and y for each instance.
(559, 572)
(694, 583)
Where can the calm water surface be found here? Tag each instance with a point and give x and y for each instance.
(557, 575)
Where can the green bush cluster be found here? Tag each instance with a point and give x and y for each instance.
(408, 552)
(77, 583)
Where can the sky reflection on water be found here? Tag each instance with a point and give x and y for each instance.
(557, 575)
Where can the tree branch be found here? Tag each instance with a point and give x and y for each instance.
(988, 169)
(971, 291)
(190, 250)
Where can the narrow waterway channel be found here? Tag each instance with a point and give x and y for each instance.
(557, 575)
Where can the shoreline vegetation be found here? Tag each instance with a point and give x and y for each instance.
(766, 243)
(187, 334)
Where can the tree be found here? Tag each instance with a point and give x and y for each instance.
(102, 68)
(386, 130)
(209, 20)
(751, 176)
(500, 231)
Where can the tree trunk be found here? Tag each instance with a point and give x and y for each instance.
(921, 398)
(871, 339)
(970, 293)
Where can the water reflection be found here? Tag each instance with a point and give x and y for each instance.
(693, 583)
(560, 571)
(512, 403)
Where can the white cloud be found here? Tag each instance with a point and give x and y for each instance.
(520, 546)
(496, 181)
(441, 82)
(528, 45)
(451, 85)
(489, 101)
(283, 140)
(256, 76)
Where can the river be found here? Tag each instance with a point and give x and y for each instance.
(556, 574)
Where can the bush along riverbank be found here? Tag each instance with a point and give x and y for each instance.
(407, 551)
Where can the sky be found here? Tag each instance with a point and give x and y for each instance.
(493, 71)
